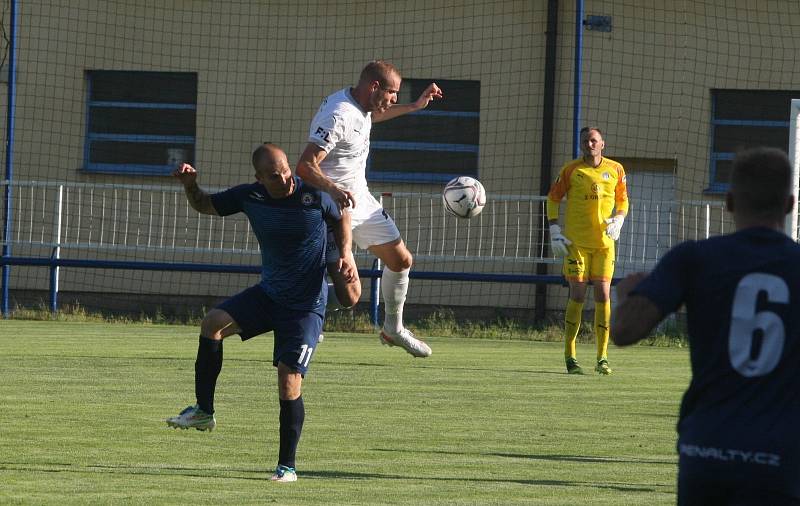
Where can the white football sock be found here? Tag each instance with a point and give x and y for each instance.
(394, 286)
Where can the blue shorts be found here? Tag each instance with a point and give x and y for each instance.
(296, 332)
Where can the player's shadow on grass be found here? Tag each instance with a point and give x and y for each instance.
(264, 475)
(144, 470)
(620, 487)
(154, 358)
(559, 458)
(491, 370)
(318, 362)
(582, 458)
(655, 415)
(352, 364)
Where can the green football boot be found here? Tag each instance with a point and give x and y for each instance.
(573, 367)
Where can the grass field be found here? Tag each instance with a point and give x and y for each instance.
(480, 422)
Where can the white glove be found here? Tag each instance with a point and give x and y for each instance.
(614, 226)
(558, 243)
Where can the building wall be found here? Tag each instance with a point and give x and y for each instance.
(264, 67)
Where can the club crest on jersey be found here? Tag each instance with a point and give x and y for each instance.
(606, 176)
(307, 199)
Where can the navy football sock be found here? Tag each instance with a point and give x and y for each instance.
(206, 370)
(293, 413)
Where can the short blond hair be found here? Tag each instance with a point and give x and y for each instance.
(378, 70)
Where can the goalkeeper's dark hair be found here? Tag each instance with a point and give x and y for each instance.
(761, 182)
(378, 70)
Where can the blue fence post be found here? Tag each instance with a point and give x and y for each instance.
(12, 91)
(55, 269)
(54, 281)
(576, 105)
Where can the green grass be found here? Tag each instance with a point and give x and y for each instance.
(480, 422)
(442, 323)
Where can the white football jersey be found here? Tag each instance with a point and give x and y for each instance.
(342, 128)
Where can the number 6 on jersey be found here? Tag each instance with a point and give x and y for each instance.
(745, 322)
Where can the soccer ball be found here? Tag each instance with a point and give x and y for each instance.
(464, 197)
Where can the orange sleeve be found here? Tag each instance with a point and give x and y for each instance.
(621, 192)
(558, 190)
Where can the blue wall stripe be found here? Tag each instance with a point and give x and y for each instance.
(166, 139)
(424, 146)
(139, 105)
(751, 122)
(130, 168)
(450, 114)
(417, 177)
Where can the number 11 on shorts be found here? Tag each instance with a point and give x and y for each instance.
(305, 355)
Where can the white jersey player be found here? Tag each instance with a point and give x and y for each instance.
(335, 161)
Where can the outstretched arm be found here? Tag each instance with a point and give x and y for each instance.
(309, 170)
(431, 92)
(198, 199)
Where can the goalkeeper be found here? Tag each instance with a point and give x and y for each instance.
(597, 202)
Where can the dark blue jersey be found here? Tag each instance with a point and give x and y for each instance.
(292, 235)
(742, 298)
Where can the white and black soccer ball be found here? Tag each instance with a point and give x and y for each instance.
(464, 197)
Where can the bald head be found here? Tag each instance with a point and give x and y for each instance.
(378, 70)
(267, 156)
(272, 170)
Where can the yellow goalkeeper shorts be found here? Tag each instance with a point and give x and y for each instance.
(583, 264)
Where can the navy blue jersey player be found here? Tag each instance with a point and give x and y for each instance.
(289, 219)
(738, 439)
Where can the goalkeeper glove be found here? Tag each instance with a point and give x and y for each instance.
(614, 226)
(558, 243)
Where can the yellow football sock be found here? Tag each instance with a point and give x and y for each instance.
(572, 323)
(602, 320)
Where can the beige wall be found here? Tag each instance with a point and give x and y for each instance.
(264, 67)
(648, 82)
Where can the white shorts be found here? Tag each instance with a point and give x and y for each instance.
(371, 225)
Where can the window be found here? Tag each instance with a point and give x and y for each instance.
(435, 144)
(140, 122)
(742, 119)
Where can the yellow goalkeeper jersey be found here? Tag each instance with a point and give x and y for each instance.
(592, 194)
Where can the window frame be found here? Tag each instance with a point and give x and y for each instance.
(427, 177)
(714, 185)
(133, 169)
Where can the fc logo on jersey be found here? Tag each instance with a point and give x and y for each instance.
(323, 134)
(307, 199)
(606, 176)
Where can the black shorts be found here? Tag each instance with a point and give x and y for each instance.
(296, 332)
(706, 481)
